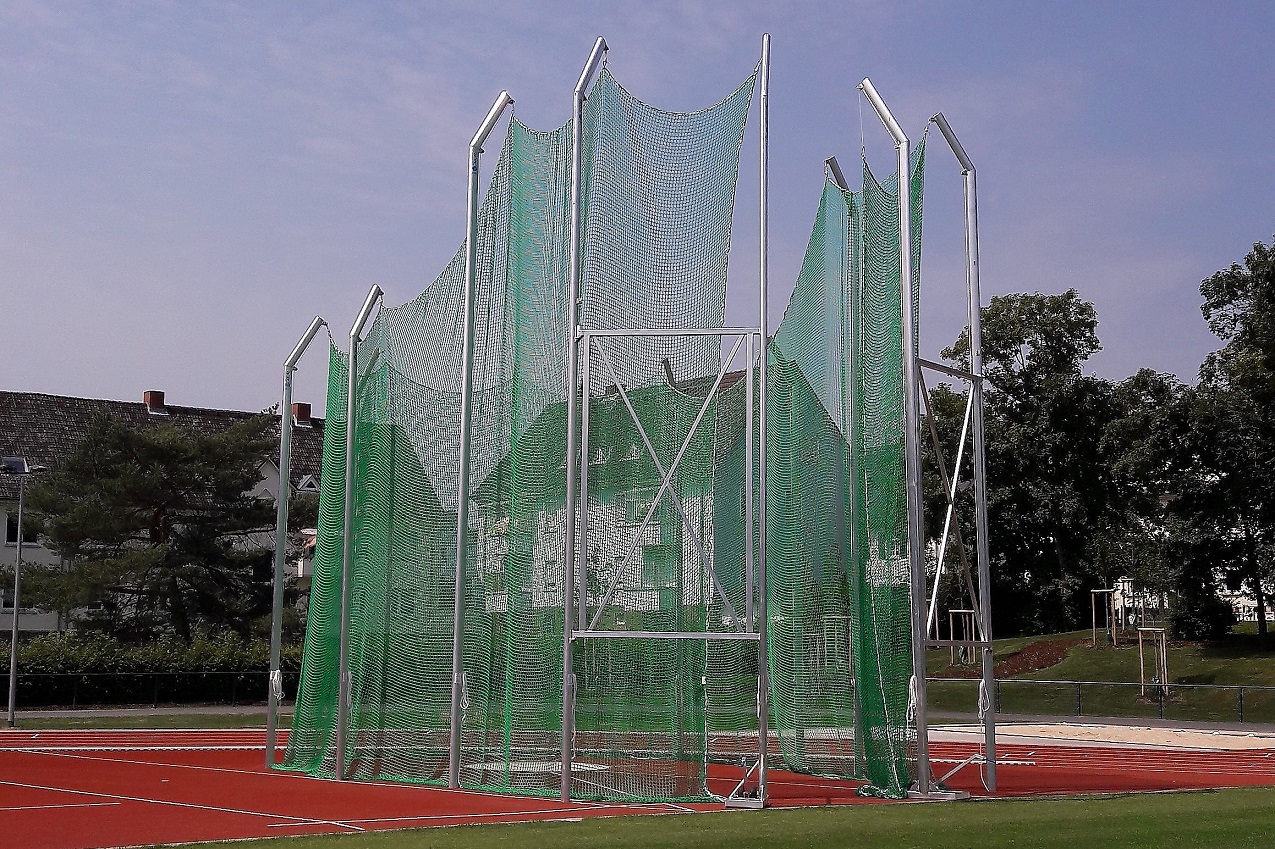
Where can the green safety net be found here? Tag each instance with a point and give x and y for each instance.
(664, 472)
(837, 556)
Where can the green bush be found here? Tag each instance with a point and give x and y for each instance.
(1200, 615)
(90, 668)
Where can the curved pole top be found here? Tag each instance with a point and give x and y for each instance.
(502, 100)
(591, 66)
(883, 112)
(306, 339)
(953, 142)
(356, 332)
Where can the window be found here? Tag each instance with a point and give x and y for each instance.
(636, 504)
(11, 531)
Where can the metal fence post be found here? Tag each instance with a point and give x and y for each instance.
(1240, 704)
(1079, 711)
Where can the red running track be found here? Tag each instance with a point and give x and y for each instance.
(92, 789)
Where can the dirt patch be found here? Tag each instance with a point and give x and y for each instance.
(1032, 657)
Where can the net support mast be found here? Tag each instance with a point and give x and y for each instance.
(987, 702)
(275, 683)
(763, 321)
(912, 441)
(347, 534)
(503, 100)
(573, 411)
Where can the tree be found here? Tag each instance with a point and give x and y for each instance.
(158, 523)
(1141, 439)
(1227, 502)
(1050, 475)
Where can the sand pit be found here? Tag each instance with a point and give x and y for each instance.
(1096, 734)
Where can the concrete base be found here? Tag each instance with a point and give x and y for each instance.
(938, 796)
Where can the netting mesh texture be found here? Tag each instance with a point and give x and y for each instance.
(665, 462)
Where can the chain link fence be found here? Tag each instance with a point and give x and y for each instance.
(54, 690)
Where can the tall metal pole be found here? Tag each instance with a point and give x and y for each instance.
(466, 426)
(974, 301)
(569, 554)
(750, 441)
(17, 597)
(911, 437)
(347, 534)
(274, 687)
(763, 648)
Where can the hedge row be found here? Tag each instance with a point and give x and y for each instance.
(78, 669)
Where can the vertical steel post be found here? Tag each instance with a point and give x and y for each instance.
(17, 597)
(569, 553)
(582, 531)
(912, 441)
(763, 649)
(274, 683)
(1093, 618)
(347, 534)
(466, 427)
(974, 301)
(750, 504)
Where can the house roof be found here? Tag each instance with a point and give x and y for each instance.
(46, 429)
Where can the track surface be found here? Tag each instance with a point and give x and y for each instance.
(91, 789)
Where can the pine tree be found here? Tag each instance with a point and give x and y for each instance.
(159, 526)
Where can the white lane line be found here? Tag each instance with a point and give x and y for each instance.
(476, 816)
(191, 805)
(56, 748)
(63, 754)
(422, 788)
(71, 805)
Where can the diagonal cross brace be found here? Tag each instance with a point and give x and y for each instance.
(666, 481)
(949, 491)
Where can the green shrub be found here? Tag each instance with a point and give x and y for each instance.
(84, 668)
(1200, 615)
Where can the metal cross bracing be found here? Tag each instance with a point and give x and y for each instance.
(589, 339)
(745, 625)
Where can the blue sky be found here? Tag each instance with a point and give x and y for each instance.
(183, 185)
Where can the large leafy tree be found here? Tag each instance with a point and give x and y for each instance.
(1140, 440)
(1227, 501)
(158, 526)
(1051, 490)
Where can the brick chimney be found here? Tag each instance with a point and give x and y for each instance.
(154, 401)
(301, 415)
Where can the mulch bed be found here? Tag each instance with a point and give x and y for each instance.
(1032, 657)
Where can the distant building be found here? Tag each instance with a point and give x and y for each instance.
(46, 429)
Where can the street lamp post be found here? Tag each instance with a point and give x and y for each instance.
(16, 466)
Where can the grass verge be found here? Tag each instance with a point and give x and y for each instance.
(151, 720)
(1221, 819)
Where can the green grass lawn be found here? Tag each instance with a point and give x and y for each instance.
(1236, 661)
(1223, 819)
(153, 720)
